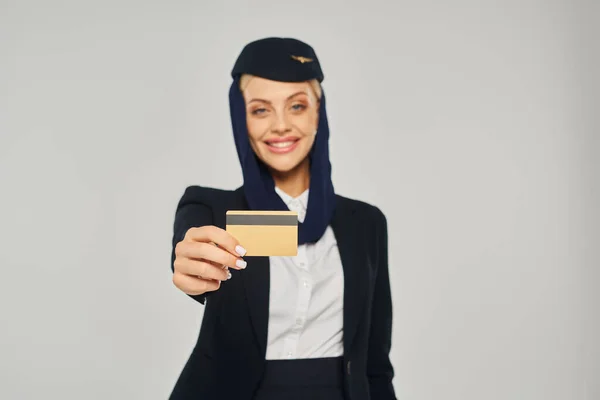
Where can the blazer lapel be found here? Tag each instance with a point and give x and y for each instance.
(256, 278)
(351, 246)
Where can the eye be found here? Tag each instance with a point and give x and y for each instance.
(259, 111)
(298, 107)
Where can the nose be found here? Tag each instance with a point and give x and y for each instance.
(280, 124)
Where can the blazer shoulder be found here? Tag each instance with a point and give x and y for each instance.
(207, 196)
(363, 208)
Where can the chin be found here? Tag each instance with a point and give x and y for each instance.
(282, 166)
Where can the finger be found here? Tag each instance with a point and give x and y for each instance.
(202, 269)
(194, 286)
(208, 252)
(225, 267)
(216, 235)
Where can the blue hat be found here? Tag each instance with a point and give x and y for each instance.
(279, 59)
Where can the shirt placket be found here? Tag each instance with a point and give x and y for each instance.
(304, 295)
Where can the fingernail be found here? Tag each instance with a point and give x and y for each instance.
(228, 275)
(240, 250)
(241, 264)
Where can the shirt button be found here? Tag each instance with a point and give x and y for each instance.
(289, 354)
(305, 284)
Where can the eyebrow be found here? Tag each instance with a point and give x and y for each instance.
(288, 98)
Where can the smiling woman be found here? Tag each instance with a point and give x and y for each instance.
(282, 119)
(314, 326)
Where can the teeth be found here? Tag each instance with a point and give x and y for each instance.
(281, 145)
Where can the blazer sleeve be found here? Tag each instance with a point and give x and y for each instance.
(190, 214)
(379, 367)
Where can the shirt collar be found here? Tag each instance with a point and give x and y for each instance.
(298, 204)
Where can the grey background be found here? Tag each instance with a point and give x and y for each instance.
(472, 124)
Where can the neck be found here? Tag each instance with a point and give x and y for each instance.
(294, 182)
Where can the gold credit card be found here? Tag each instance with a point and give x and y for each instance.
(265, 233)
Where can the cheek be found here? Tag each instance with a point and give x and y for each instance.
(310, 141)
(307, 123)
(256, 127)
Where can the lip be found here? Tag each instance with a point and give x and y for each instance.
(282, 150)
(282, 139)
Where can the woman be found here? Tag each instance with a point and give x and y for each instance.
(314, 326)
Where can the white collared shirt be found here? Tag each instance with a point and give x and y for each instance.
(306, 300)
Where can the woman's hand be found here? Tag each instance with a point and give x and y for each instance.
(203, 258)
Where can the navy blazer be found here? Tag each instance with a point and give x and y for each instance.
(228, 359)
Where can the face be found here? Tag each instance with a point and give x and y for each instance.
(282, 119)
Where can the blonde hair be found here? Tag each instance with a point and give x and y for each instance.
(314, 84)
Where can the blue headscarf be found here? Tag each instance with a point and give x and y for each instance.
(259, 186)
